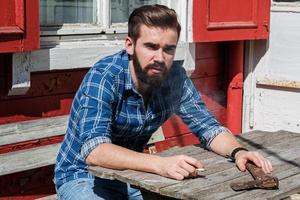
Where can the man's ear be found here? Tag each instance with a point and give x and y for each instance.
(129, 45)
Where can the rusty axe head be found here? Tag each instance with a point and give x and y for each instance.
(261, 180)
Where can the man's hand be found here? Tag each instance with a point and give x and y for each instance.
(242, 157)
(177, 167)
(224, 144)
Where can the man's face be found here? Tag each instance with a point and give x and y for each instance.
(153, 54)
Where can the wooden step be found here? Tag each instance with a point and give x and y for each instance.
(28, 159)
(32, 158)
(33, 129)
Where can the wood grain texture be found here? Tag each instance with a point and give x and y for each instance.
(28, 159)
(281, 148)
(32, 130)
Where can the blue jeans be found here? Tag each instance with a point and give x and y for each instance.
(97, 189)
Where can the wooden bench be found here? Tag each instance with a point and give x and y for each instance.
(26, 131)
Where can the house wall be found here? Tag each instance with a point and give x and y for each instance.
(272, 78)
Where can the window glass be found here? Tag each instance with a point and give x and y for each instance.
(121, 9)
(58, 12)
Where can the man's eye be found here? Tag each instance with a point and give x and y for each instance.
(152, 47)
(170, 50)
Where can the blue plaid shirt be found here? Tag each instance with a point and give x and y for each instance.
(108, 109)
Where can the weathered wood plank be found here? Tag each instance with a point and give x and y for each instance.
(269, 138)
(222, 167)
(148, 181)
(293, 197)
(215, 163)
(28, 159)
(34, 129)
(193, 150)
(256, 136)
(186, 150)
(144, 180)
(222, 189)
(102, 172)
(194, 186)
(280, 147)
(258, 142)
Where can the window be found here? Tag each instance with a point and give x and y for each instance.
(86, 16)
(59, 12)
(121, 9)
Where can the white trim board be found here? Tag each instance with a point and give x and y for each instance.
(77, 54)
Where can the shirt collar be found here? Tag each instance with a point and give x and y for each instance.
(125, 64)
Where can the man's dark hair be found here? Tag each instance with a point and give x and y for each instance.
(152, 16)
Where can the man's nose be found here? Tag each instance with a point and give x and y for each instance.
(159, 56)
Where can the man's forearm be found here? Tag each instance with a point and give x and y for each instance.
(224, 143)
(117, 157)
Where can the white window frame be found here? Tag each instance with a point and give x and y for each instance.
(80, 46)
(102, 23)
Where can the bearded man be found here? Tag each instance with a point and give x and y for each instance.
(126, 97)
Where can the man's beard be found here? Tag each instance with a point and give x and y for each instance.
(152, 81)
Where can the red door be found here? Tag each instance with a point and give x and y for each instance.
(223, 20)
(19, 25)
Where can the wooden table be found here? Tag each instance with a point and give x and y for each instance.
(282, 148)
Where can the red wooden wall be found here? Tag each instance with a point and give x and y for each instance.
(50, 94)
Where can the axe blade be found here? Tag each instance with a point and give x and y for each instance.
(237, 186)
(269, 184)
(261, 180)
